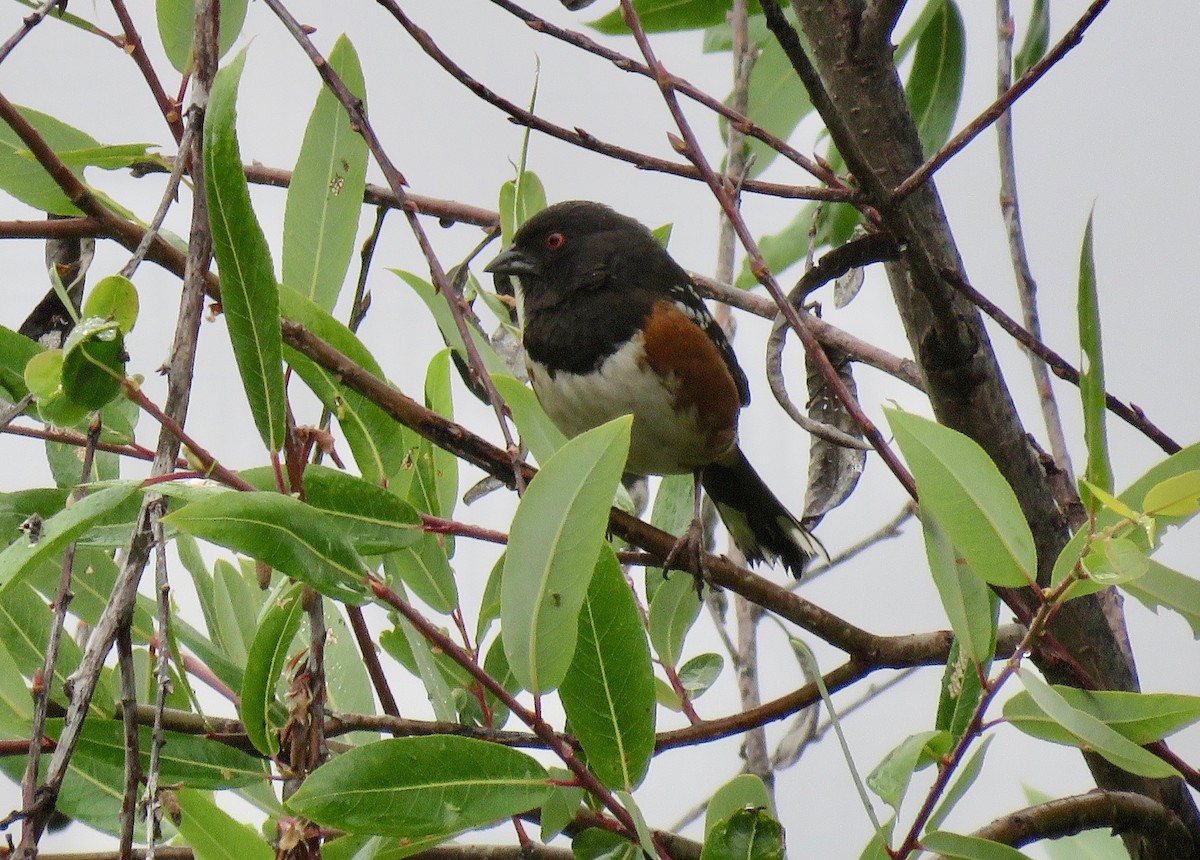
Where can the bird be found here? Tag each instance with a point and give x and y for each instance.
(612, 326)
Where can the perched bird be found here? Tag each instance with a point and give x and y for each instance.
(613, 326)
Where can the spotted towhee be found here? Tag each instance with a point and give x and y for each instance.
(613, 326)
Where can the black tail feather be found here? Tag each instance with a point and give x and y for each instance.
(762, 528)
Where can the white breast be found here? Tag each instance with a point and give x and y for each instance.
(663, 441)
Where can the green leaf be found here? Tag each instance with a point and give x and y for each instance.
(429, 786)
(1091, 376)
(249, 291)
(113, 298)
(93, 363)
(425, 663)
(597, 844)
(1037, 37)
(214, 834)
(935, 83)
(1091, 734)
(1177, 496)
(21, 557)
(375, 520)
(1142, 718)
(674, 507)
(177, 28)
(20, 174)
(1162, 586)
(492, 362)
(561, 806)
(673, 610)
(268, 655)
(196, 762)
(956, 847)
(520, 200)
(537, 430)
(444, 463)
(553, 543)
(968, 601)
(325, 196)
(236, 610)
(744, 791)
(639, 820)
(700, 673)
(283, 533)
(1180, 462)
(381, 446)
(969, 498)
(891, 777)
(16, 351)
(661, 16)
(748, 834)
(961, 691)
(777, 102)
(608, 691)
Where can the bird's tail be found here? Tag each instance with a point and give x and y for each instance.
(762, 528)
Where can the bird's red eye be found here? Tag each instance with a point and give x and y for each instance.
(556, 240)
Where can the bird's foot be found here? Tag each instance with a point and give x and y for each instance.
(688, 554)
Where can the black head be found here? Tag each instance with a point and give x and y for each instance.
(569, 246)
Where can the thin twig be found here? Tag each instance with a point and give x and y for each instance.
(132, 740)
(169, 196)
(586, 140)
(1059, 366)
(137, 51)
(734, 112)
(162, 678)
(27, 24)
(1032, 75)
(1010, 209)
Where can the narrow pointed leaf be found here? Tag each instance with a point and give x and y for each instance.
(1141, 717)
(965, 597)
(214, 834)
(969, 498)
(935, 84)
(1162, 586)
(673, 610)
(249, 292)
(282, 532)
(1091, 734)
(421, 786)
(1037, 37)
(954, 846)
(1091, 377)
(608, 692)
(380, 445)
(21, 556)
(269, 652)
(1178, 496)
(325, 195)
(552, 548)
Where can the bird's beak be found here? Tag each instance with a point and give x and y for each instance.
(512, 261)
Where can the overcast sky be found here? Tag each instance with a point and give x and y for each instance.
(1114, 126)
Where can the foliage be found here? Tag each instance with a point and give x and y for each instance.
(322, 592)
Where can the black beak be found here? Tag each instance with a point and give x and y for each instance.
(512, 261)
